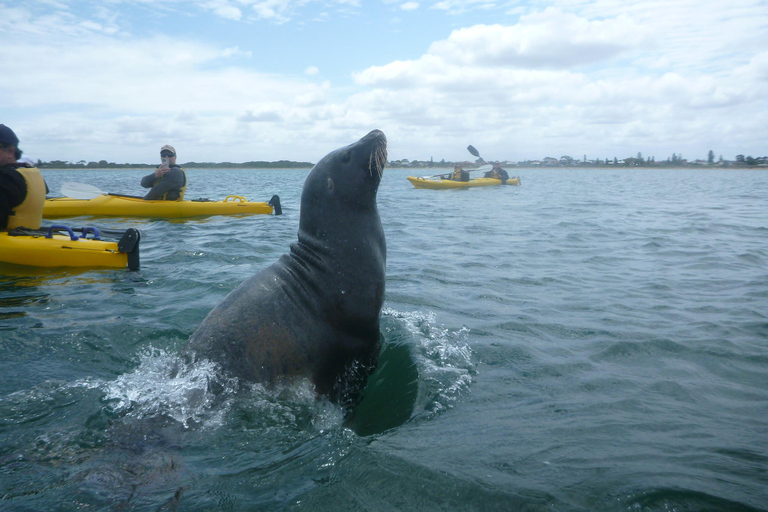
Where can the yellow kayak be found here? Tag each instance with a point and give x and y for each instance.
(447, 184)
(108, 205)
(38, 248)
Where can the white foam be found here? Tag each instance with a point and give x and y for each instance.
(444, 356)
(165, 384)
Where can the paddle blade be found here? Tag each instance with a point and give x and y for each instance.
(80, 190)
(472, 150)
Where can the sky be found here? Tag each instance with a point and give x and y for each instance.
(249, 80)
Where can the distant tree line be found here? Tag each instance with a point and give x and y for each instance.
(564, 161)
(567, 161)
(103, 164)
(82, 164)
(280, 164)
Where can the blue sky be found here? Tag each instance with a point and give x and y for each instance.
(240, 80)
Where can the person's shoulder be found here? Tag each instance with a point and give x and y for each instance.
(11, 168)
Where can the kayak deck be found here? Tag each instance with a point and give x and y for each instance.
(451, 184)
(49, 248)
(107, 205)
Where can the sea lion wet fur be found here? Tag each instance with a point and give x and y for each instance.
(315, 312)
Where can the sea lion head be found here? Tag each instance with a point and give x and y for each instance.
(344, 181)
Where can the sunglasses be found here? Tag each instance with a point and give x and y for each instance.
(167, 153)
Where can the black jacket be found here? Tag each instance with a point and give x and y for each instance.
(13, 191)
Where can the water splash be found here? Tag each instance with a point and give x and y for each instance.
(444, 358)
(291, 404)
(167, 385)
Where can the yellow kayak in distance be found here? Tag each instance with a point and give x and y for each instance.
(51, 248)
(113, 205)
(440, 184)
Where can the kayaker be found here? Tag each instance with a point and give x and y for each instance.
(497, 173)
(459, 174)
(169, 181)
(22, 187)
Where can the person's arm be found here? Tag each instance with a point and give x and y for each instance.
(172, 179)
(148, 180)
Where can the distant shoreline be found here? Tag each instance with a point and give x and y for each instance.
(741, 162)
(415, 165)
(731, 167)
(59, 165)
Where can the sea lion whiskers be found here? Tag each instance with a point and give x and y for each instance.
(378, 159)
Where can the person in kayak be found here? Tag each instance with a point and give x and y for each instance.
(497, 173)
(458, 174)
(169, 181)
(22, 187)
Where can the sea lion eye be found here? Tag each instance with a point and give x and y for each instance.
(330, 183)
(345, 157)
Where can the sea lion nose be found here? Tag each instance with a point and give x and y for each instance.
(376, 134)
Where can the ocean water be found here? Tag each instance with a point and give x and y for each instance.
(591, 340)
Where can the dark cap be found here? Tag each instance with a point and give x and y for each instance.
(7, 137)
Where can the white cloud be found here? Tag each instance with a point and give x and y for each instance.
(462, 6)
(224, 9)
(548, 39)
(538, 80)
(235, 51)
(409, 6)
(602, 77)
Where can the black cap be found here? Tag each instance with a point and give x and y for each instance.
(7, 137)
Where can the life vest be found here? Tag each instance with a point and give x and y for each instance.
(181, 190)
(29, 213)
(460, 175)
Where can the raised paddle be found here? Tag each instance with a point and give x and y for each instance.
(84, 191)
(476, 153)
(484, 168)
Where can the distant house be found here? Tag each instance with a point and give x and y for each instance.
(550, 162)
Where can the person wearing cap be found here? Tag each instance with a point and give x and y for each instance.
(169, 181)
(497, 172)
(22, 187)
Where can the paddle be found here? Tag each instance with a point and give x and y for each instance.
(84, 191)
(476, 153)
(471, 149)
(483, 168)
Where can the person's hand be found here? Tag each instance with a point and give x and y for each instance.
(162, 171)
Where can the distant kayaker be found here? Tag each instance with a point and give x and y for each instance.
(497, 173)
(22, 187)
(169, 181)
(458, 174)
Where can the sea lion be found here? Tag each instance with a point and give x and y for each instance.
(315, 312)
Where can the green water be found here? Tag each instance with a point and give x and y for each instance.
(591, 340)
